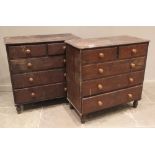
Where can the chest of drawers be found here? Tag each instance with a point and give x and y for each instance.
(37, 67)
(104, 72)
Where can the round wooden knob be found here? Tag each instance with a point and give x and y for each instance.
(29, 64)
(134, 50)
(65, 74)
(64, 47)
(130, 96)
(100, 86)
(31, 79)
(33, 94)
(65, 89)
(64, 60)
(100, 103)
(100, 70)
(28, 51)
(133, 65)
(101, 55)
(131, 79)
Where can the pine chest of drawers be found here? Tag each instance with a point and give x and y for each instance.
(37, 67)
(104, 72)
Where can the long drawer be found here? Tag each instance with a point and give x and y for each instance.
(38, 78)
(99, 70)
(111, 99)
(40, 93)
(36, 64)
(27, 51)
(93, 87)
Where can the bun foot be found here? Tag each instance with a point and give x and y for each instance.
(19, 108)
(83, 119)
(135, 104)
(71, 107)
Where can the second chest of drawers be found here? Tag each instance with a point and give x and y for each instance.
(104, 72)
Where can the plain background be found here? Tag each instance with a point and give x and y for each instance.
(81, 31)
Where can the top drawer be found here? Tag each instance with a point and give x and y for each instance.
(26, 51)
(131, 51)
(56, 48)
(99, 55)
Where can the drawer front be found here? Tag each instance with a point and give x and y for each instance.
(112, 68)
(132, 51)
(99, 55)
(56, 48)
(36, 64)
(38, 78)
(40, 93)
(94, 87)
(27, 51)
(107, 100)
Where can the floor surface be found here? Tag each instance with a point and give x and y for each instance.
(60, 115)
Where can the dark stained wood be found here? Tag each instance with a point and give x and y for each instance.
(99, 55)
(41, 93)
(38, 78)
(38, 64)
(105, 72)
(111, 99)
(56, 48)
(112, 68)
(16, 52)
(131, 51)
(73, 76)
(91, 87)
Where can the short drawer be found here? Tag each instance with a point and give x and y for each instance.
(99, 70)
(38, 78)
(40, 93)
(94, 87)
(36, 64)
(132, 51)
(108, 100)
(56, 48)
(99, 55)
(27, 51)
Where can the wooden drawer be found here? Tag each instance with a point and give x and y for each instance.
(111, 99)
(99, 55)
(40, 93)
(93, 87)
(132, 51)
(112, 68)
(38, 78)
(56, 48)
(27, 51)
(36, 64)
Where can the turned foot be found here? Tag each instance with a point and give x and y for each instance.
(83, 119)
(19, 108)
(135, 104)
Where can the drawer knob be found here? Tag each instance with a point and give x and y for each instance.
(65, 89)
(100, 103)
(65, 74)
(31, 79)
(130, 96)
(133, 65)
(28, 51)
(100, 70)
(101, 55)
(64, 60)
(33, 94)
(100, 86)
(134, 50)
(131, 79)
(29, 64)
(64, 47)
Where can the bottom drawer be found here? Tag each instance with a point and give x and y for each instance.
(99, 102)
(41, 93)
